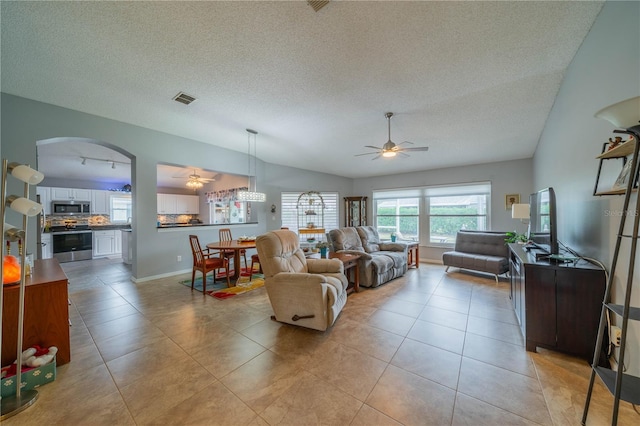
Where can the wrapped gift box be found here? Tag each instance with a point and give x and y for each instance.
(31, 379)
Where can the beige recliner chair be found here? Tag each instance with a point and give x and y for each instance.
(305, 292)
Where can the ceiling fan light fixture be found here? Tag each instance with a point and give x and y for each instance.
(388, 154)
(194, 183)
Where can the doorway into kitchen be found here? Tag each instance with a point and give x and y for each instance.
(87, 200)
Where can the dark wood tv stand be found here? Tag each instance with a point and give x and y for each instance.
(557, 304)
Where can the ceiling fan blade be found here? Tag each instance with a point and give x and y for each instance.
(376, 157)
(418, 148)
(403, 154)
(406, 142)
(366, 153)
(373, 147)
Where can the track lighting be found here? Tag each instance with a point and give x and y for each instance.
(103, 160)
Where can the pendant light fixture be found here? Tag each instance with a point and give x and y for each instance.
(252, 194)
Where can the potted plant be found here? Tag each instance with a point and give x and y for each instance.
(515, 237)
(323, 246)
(393, 237)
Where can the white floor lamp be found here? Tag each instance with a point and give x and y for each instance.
(13, 405)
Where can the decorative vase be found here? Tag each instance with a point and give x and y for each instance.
(393, 238)
(323, 252)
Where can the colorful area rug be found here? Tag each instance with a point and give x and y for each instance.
(219, 289)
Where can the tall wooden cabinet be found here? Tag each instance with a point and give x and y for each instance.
(557, 304)
(355, 211)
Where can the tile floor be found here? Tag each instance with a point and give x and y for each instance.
(426, 349)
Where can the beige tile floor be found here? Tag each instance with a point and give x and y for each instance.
(426, 349)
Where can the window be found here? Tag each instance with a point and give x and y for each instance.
(288, 207)
(447, 209)
(120, 209)
(398, 215)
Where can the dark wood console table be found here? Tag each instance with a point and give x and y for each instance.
(557, 304)
(46, 312)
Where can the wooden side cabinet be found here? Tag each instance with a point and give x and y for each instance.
(355, 211)
(46, 313)
(557, 305)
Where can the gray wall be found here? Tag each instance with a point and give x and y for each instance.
(25, 121)
(605, 70)
(507, 177)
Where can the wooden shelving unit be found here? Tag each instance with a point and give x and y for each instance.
(620, 152)
(623, 386)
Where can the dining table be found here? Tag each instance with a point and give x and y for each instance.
(237, 246)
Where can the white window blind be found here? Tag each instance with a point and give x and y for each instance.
(288, 206)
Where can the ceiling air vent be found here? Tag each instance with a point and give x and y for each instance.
(183, 98)
(318, 4)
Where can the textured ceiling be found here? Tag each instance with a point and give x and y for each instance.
(474, 81)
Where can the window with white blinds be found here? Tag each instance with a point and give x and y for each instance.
(288, 207)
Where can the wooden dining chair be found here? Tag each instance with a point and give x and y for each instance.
(224, 234)
(255, 259)
(206, 261)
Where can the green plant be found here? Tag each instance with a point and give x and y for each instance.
(322, 244)
(515, 237)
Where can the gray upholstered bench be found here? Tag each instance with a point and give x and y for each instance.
(479, 251)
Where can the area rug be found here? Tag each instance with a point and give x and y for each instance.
(219, 289)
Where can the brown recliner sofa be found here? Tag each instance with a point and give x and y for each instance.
(380, 261)
(306, 292)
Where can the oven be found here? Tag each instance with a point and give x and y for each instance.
(72, 245)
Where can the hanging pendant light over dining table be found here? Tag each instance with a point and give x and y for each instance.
(252, 194)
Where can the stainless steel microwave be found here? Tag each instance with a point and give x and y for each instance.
(70, 207)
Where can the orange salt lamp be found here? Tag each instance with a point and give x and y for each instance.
(11, 267)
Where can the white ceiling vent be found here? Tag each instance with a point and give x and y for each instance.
(318, 4)
(183, 98)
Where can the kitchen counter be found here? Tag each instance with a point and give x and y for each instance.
(109, 227)
(195, 225)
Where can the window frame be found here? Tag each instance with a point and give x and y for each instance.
(425, 194)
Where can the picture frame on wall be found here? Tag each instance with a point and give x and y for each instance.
(623, 178)
(511, 199)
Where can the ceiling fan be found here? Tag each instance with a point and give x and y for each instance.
(390, 149)
(195, 180)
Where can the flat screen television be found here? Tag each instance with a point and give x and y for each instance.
(543, 232)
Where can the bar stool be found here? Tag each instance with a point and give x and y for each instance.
(255, 259)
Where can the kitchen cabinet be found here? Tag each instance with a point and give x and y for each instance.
(47, 247)
(127, 248)
(103, 243)
(100, 201)
(67, 194)
(187, 204)
(178, 204)
(45, 198)
(167, 203)
(117, 242)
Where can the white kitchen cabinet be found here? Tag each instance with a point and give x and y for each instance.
(47, 247)
(127, 248)
(167, 203)
(187, 204)
(45, 198)
(103, 243)
(117, 242)
(67, 194)
(178, 204)
(100, 201)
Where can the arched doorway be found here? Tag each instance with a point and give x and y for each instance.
(99, 175)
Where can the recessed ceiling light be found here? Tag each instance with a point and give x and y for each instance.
(183, 98)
